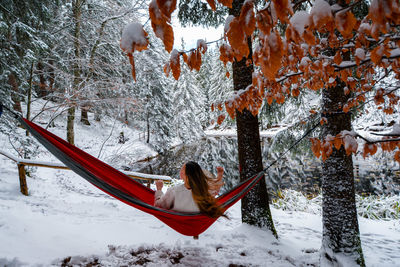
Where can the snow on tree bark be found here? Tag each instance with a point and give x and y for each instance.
(339, 215)
(255, 205)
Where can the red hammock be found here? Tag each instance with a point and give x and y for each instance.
(124, 188)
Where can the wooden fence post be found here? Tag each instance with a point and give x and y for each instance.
(22, 179)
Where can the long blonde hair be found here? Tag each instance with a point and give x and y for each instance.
(198, 183)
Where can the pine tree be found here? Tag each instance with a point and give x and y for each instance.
(189, 100)
(155, 97)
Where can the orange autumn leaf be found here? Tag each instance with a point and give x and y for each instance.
(247, 18)
(345, 23)
(283, 9)
(295, 92)
(237, 39)
(220, 119)
(160, 22)
(166, 7)
(326, 150)
(378, 98)
(388, 110)
(321, 17)
(185, 57)
(175, 64)
(198, 60)
(369, 149)
(385, 146)
(226, 53)
(346, 108)
(271, 57)
(133, 42)
(194, 60)
(337, 142)
(168, 37)
(382, 13)
(269, 100)
(155, 14)
(230, 109)
(227, 74)
(212, 4)
(377, 54)
(264, 21)
(227, 3)
(397, 156)
(338, 58)
(316, 147)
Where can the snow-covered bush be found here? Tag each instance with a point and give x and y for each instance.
(371, 207)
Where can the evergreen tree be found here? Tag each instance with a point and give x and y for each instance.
(220, 88)
(24, 35)
(155, 97)
(189, 101)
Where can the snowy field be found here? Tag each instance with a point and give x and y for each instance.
(65, 216)
(67, 221)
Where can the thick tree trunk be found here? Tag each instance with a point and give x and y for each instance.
(255, 205)
(339, 215)
(340, 231)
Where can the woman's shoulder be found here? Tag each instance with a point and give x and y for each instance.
(178, 188)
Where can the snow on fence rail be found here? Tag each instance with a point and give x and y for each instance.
(21, 163)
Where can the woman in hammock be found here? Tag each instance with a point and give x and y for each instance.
(194, 194)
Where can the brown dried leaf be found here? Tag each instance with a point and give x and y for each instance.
(316, 146)
(247, 18)
(175, 64)
(227, 3)
(212, 4)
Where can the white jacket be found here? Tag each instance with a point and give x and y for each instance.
(177, 198)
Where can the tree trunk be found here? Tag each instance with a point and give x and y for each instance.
(339, 215)
(15, 97)
(255, 205)
(29, 102)
(70, 125)
(41, 90)
(77, 12)
(340, 231)
(84, 115)
(52, 77)
(148, 128)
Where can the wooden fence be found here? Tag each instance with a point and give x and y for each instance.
(21, 163)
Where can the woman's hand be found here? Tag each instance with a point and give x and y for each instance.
(159, 184)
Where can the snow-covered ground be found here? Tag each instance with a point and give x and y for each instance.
(65, 216)
(66, 220)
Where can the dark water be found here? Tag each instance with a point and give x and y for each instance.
(298, 169)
